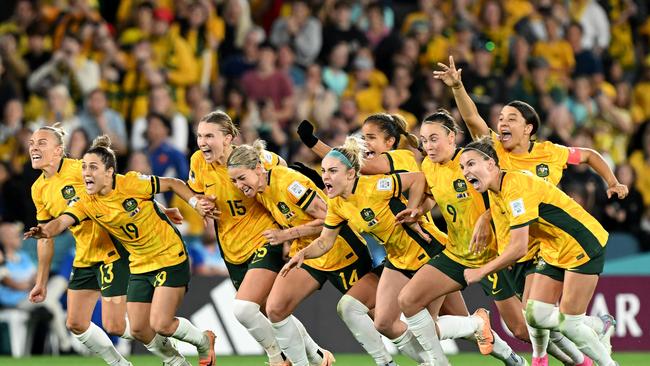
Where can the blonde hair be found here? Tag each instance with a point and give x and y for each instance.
(224, 121)
(247, 156)
(354, 149)
(58, 133)
(393, 125)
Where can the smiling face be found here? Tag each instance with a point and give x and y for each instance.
(512, 128)
(249, 181)
(212, 141)
(377, 141)
(437, 142)
(336, 176)
(477, 171)
(44, 149)
(96, 176)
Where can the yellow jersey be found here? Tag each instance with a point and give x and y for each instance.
(371, 208)
(402, 160)
(543, 159)
(130, 214)
(460, 205)
(243, 219)
(568, 235)
(52, 196)
(286, 196)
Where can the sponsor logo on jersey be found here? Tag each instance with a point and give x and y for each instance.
(460, 185)
(68, 192)
(542, 170)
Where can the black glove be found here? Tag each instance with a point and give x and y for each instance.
(306, 133)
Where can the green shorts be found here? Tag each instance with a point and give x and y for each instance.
(406, 272)
(343, 279)
(494, 285)
(517, 274)
(267, 257)
(142, 285)
(111, 279)
(593, 267)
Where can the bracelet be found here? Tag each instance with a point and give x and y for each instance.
(193, 201)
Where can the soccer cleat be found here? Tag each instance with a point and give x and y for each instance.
(207, 356)
(328, 358)
(484, 337)
(609, 326)
(586, 362)
(540, 361)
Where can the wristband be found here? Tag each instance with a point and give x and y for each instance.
(193, 201)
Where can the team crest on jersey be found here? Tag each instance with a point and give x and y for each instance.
(369, 216)
(460, 185)
(542, 170)
(285, 210)
(130, 204)
(68, 192)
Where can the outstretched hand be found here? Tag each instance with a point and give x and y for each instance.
(35, 232)
(618, 189)
(408, 216)
(449, 75)
(294, 262)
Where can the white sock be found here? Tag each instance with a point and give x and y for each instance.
(453, 327)
(314, 354)
(596, 324)
(424, 329)
(290, 341)
(355, 315)
(187, 332)
(539, 340)
(249, 315)
(568, 348)
(574, 328)
(540, 317)
(98, 342)
(557, 353)
(127, 331)
(162, 347)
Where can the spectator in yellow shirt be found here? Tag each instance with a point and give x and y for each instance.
(556, 51)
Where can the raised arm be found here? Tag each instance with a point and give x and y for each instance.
(597, 162)
(515, 250)
(451, 77)
(306, 134)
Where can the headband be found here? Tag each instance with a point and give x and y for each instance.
(340, 156)
(479, 151)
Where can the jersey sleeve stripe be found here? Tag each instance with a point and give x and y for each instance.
(304, 197)
(524, 224)
(335, 226)
(312, 195)
(76, 219)
(191, 189)
(44, 221)
(155, 185)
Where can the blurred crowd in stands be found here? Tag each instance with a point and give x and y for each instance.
(144, 72)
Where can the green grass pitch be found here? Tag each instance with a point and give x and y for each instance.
(466, 359)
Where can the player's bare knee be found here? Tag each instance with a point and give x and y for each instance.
(384, 325)
(163, 326)
(277, 310)
(76, 326)
(114, 326)
(408, 304)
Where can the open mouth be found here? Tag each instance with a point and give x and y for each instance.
(207, 152)
(328, 188)
(505, 135)
(90, 184)
(246, 190)
(474, 182)
(36, 158)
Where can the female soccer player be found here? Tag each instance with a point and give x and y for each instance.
(252, 262)
(572, 245)
(369, 204)
(99, 266)
(461, 207)
(123, 206)
(518, 121)
(298, 205)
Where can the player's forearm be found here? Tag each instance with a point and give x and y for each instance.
(45, 251)
(311, 228)
(416, 190)
(598, 163)
(468, 111)
(321, 149)
(318, 248)
(177, 186)
(516, 250)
